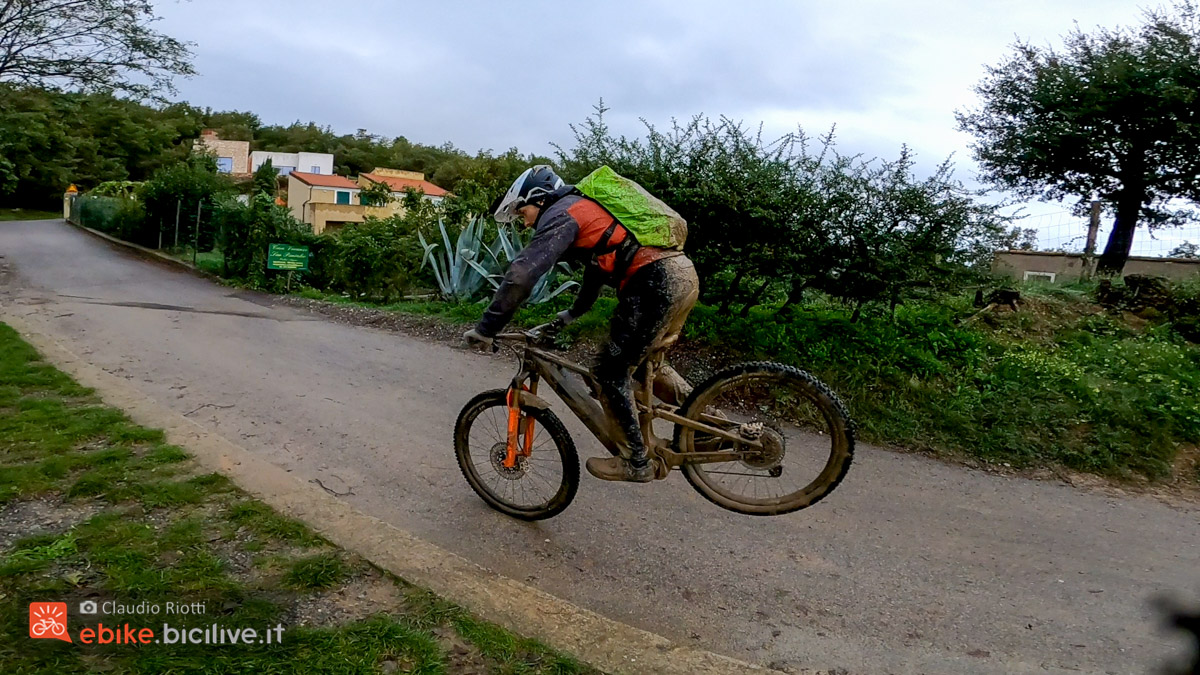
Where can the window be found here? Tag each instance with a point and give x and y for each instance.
(284, 170)
(343, 197)
(316, 169)
(1040, 276)
(225, 165)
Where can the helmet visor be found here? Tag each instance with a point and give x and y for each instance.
(507, 211)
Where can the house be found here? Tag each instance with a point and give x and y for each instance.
(232, 156)
(287, 162)
(328, 202)
(399, 181)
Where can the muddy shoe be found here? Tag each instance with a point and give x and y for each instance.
(615, 468)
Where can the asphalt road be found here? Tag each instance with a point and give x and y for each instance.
(911, 566)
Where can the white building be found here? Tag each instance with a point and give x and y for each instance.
(287, 162)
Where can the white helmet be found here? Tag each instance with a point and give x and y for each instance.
(535, 183)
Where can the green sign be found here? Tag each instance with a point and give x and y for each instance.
(287, 257)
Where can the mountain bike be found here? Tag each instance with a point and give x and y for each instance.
(758, 438)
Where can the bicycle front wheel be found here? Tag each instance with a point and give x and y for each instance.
(805, 437)
(538, 486)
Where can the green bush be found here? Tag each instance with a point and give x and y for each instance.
(244, 232)
(771, 219)
(1185, 310)
(1090, 393)
(129, 223)
(378, 259)
(98, 213)
(184, 190)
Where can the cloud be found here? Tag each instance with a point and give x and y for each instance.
(495, 75)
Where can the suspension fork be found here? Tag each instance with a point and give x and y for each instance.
(513, 399)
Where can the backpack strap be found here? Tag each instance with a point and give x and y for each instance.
(602, 244)
(625, 250)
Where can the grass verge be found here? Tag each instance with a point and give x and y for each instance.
(94, 507)
(29, 214)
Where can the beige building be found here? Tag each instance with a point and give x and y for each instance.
(400, 181)
(232, 156)
(1053, 266)
(329, 202)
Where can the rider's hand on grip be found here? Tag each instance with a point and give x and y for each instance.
(546, 333)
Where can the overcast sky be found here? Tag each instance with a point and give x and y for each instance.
(497, 74)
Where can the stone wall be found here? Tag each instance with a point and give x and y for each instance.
(1069, 266)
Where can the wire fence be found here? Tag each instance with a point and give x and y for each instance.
(1064, 231)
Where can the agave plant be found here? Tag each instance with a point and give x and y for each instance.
(503, 251)
(455, 268)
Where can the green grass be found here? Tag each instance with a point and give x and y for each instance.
(29, 214)
(155, 530)
(1058, 383)
(212, 262)
(318, 571)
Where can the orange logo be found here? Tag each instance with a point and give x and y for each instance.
(48, 620)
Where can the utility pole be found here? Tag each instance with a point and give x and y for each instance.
(1089, 252)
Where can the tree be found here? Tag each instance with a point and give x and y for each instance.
(88, 44)
(266, 179)
(186, 188)
(887, 236)
(49, 140)
(375, 194)
(1113, 114)
(748, 201)
(1185, 250)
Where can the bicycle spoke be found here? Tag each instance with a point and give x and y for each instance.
(538, 485)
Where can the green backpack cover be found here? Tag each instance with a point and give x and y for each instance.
(647, 217)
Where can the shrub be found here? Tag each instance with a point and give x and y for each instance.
(770, 219)
(98, 213)
(185, 189)
(378, 259)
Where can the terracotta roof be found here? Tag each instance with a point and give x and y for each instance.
(399, 184)
(322, 180)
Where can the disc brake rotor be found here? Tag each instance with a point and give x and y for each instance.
(498, 454)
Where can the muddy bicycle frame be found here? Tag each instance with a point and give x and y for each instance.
(538, 364)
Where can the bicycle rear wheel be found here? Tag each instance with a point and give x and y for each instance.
(806, 435)
(539, 486)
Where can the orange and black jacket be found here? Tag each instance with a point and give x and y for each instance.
(572, 228)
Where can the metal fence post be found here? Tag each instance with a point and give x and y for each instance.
(178, 206)
(196, 238)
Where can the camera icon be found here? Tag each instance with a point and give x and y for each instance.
(88, 607)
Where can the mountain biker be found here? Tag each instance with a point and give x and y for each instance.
(656, 289)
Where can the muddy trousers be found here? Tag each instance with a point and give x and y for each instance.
(651, 308)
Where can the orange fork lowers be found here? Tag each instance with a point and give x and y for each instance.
(514, 426)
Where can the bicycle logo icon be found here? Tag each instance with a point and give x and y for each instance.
(48, 620)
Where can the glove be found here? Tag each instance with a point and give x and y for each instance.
(548, 331)
(474, 339)
(566, 317)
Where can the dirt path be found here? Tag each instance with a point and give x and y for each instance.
(911, 566)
